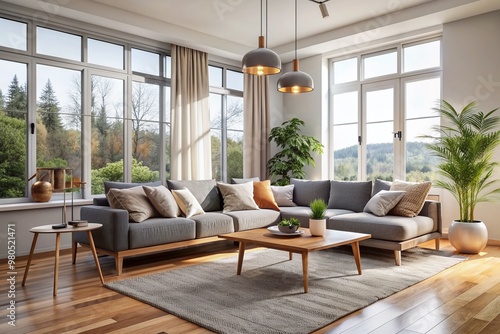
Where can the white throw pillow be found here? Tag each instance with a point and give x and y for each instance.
(187, 202)
(238, 196)
(383, 201)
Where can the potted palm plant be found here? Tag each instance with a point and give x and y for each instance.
(317, 219)
(465, 146)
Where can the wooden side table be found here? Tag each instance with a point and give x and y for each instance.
(47, 229)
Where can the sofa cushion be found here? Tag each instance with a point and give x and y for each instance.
(163, 201)
(380, 185)
(283, 195)
(237, 196)
(349, 195)
(187, 202)
(383, 201)
(236, 180)
(205, 191)
(413, 200)
(158, 231)
(250, 219)
(263, 195)
(212, 223)
(305, 191)
(134, 200)
(392, 228)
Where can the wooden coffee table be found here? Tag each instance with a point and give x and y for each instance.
(303, 244)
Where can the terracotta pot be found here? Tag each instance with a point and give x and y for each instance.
(317, 227)
(468, 237)
(41, 191)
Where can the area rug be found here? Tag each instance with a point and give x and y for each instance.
(268, 296)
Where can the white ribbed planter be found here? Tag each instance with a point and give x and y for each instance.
(467, 237)
(317, 227)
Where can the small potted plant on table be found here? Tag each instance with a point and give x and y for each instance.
(317, 219)
(290, 225)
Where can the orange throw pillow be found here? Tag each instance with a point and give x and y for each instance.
(263, 195)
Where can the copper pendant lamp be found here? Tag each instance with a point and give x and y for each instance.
(261, 61)
(295, 81)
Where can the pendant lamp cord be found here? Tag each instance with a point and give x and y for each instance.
(266, 23)
(296, 29)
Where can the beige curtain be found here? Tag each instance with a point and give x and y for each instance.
(190, 116)
(256, 126)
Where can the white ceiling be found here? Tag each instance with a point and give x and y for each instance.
(230, 28)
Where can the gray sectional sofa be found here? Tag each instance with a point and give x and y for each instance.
(120, 238)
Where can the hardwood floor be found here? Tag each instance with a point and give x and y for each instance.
(462, 299)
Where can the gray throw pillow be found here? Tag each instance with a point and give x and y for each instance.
(383, 201)
(350, 195)
(205, 192)
(283, 195)
(305, 191)
(380, 185)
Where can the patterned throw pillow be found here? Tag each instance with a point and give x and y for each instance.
(413, 199)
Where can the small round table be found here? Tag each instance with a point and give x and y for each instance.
(47, 229)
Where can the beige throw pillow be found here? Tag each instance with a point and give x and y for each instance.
(187, 202)
(237, 196)
(134, 200)
(163, 201)
(413, 200)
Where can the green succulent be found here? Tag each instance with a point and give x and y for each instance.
(289, 222)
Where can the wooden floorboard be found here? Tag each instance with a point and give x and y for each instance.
(461, 299)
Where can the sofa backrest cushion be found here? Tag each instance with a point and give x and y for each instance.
(205, 192)
(349, 195)
(305, 191)
(235, 180)
(380, 185)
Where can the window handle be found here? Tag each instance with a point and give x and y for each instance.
(32, 128)
(398, 135)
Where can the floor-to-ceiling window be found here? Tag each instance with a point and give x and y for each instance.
(95, 104)
(382, 103)
(226, 118)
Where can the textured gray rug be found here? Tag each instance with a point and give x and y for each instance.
(268, 296)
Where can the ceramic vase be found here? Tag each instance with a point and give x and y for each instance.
(468, 237)
(317, 227)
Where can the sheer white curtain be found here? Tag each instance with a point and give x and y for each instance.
(190, 115)
(256, 126)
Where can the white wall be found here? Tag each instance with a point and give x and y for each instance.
(471, 71)
(471, 50)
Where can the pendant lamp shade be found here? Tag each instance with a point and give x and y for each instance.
(261, 61)
(295, 81)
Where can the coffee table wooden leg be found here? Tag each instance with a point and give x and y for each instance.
(56, 264)
(33, 244)
(74, 246)
(94, 253)
(357, 256)
(241, 254)
(305, 270)
(290, 256)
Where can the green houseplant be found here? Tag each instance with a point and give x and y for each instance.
(317, 219)
(465, 146)
(289, 225)
(296, 151)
